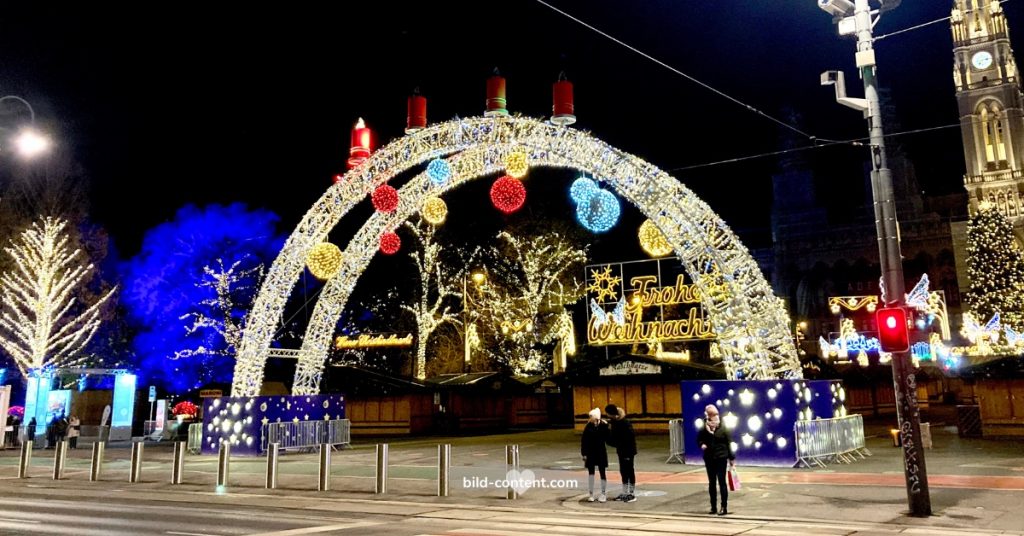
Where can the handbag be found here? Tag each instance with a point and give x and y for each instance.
(733, 479)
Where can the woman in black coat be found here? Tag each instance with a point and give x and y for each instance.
(716, 442)
(594, 454)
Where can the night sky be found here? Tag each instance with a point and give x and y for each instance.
(220, 103)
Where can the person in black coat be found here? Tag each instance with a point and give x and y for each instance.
(716, 442)
(623, 438)
(594, 453)
(30, 432)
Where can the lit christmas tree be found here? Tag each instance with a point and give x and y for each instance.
(995, 267)
(43, 324)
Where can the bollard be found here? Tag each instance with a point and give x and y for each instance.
(272, 453)
(26, 459)
(324, 483)
(96, 464)
(382, 469)
(223, 465)
(135, 471)
(444, 463)
(511, 464)
(60, 457)
(178, 466)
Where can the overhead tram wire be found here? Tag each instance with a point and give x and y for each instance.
(854, 142)
(704, 85)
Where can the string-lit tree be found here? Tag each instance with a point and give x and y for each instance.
(432, 307)
(531, 280)
(43, 323)
(995, 267)
(218, 321)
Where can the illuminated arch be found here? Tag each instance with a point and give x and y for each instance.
(750, 322)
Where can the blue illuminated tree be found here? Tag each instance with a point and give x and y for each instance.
(188, 289)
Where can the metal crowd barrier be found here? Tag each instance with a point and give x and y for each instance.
(676, 447)
(195, 437)
(823, 441)
(307, 434)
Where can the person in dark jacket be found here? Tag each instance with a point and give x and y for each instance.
(716, 442)
(594, 453)
(30, 432)
(623, 438)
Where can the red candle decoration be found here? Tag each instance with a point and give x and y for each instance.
(390, 243)
(562, 106)
(496, 103)
(362, 139)
(416, 118)
(385, 198)
(508, 194)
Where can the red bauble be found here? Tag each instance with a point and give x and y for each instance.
(390, 243)
(385, 198)
(508, 194)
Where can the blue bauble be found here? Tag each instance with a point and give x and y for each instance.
(439, 171)
(600, 212)
(581, 189)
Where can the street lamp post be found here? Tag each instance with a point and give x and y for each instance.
(29, 142)
(855, 19)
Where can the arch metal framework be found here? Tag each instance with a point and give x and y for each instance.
(751, 323)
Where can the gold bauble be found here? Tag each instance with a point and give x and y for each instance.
(653, 241)
(517, 164)
(434, 211)
(324, 261)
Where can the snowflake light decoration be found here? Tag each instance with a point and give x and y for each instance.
(604, 284)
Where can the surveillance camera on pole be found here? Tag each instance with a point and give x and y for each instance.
(836, 8)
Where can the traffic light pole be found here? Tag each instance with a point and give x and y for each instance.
(890, 258)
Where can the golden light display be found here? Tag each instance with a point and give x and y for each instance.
(604, 284)
(324, 261)
(652, 240)
(693, 326)
(434, 211)
(517, 164)
(345, 342)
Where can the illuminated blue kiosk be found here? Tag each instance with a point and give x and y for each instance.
(45, 401)
(761, 415)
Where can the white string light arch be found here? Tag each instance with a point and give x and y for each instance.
(750, 322)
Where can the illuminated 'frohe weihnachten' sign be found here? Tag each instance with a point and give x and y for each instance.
(694, 325)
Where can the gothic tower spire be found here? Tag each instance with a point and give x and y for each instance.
(991, 107)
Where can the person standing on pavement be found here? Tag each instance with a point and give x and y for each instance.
(30, 433)
(716, 442)
(74, 430)
(623, 438)
(594, 453)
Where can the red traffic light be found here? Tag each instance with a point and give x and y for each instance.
(892, 329)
